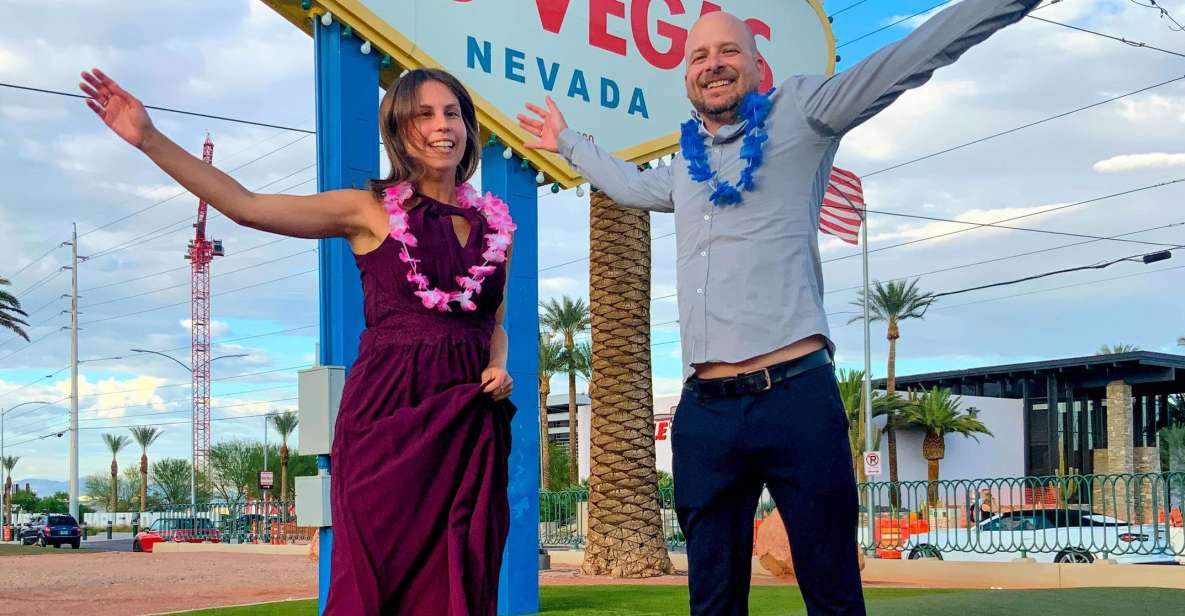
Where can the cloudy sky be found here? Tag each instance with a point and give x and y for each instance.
(236, 58)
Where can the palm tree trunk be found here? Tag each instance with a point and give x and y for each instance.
(891, 386)
(932, 476)
(143, 482)
(625, 531)
(933, 450)
(544, 453)
(573, 433)
(114, 486)
(284, 473)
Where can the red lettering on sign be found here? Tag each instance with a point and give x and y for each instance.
(598, 25)
(640, 22)
(662, 430)
(552, 13)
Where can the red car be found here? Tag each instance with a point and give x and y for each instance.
(176, 530)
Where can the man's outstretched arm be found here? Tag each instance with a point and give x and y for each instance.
(834, 105)
(621, 180)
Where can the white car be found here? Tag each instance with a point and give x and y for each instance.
(1047, 535)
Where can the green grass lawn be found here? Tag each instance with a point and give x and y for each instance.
(12, 549)
(771, 601)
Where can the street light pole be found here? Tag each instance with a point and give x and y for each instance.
(3, 469)
(193, 432)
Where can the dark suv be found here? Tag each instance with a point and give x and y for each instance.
(54, 529)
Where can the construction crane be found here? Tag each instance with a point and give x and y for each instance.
(200, 254)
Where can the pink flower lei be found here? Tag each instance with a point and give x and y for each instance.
(497, 216)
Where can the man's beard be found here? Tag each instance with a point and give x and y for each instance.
(726, 110)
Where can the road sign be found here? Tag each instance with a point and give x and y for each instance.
(265, 480)
(613, 66)
(872, 463)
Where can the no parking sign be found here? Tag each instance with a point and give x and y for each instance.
(872, 463)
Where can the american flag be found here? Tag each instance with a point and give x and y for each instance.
(843, 206)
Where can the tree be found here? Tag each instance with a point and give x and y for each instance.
(8, 462)
(567, 318)
(11, 313)
(170, 480)
(284, 423)
(893, 302)
(551, 362)
(625, 531)
(938, 413)
(26, 502)
(144, 436)
(114, 443)
(98, 488)
(1117, 349)
(851, 392)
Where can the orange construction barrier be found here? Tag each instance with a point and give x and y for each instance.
(890, 537)
(1175, 518)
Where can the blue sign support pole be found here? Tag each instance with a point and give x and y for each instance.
(347, 157)
(518, 592)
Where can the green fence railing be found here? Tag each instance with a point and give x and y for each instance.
(1071, 517)
(230, 522)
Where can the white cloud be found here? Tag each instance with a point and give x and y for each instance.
(1152, 109)
(932, 229)
(110, 398)
(217, 328)
(667, 386)
(151, 192)
(1132, 162)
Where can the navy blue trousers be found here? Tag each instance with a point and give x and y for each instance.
(793, 439)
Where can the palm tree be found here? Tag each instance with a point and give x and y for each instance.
(115, 444)
(937, 412)
(893, 302)
(10, 306)
(625, 531)
(851, 392)
(8, 462)
(1117, 349)
(567, 318)
(144, 436)
(582, 356)
(284, 423)
(551, 362)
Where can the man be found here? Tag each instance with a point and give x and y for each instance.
(760, 404)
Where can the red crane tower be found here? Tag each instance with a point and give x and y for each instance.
(200, 254)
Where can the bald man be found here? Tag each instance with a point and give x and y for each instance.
(760, 406)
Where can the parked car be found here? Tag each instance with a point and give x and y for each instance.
(54, 529)
(1047, 535)
(176, 530)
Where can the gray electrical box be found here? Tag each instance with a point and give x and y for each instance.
(312, 501)
(319, 394)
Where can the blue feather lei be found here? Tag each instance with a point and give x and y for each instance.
(754, 110)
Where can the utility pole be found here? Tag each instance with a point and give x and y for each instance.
(74, 372)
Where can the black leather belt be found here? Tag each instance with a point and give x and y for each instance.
(758, 380)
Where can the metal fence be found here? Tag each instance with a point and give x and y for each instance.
(230, 522)
(1073, 518)
(1070, 517)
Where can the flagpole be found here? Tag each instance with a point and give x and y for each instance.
(867, 343)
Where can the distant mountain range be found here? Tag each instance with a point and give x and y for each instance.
(43, 487)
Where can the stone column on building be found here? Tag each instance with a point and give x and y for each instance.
(1117, 462)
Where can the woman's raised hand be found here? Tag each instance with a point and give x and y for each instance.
(120, 111)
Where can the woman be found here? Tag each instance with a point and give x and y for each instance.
(419, 507)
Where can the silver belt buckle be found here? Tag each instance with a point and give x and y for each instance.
(769, 381)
